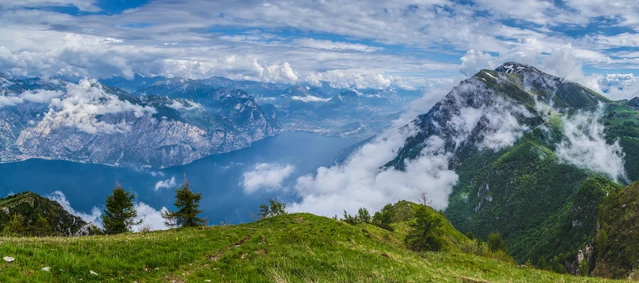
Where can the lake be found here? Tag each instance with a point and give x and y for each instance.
(218, 177)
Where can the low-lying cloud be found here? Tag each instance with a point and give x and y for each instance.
(165, 184)
(266, 176)
(86, 100)
(35, 96)
(362, 181)
(585, 146)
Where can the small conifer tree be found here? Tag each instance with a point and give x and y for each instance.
(119, 215)
(188, 207)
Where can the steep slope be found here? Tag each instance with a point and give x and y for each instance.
(289, 248)
(518, 139)
(616, 253)
(38, 216)
(93, 123)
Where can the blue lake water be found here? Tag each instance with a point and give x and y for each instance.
(218, 177)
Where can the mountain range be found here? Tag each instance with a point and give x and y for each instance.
(161, 122)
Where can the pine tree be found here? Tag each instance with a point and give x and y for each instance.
(187, 203)
(119, 215)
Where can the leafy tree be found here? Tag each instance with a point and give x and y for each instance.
(119, 215)
(363, 216)
(426, 234)
(384, 217)
(496, 242)
(41, 227)
(16, 226)
(274, 208)
(188, 207)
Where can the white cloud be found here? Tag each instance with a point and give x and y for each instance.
(149, 216)
(185, 105)
(165, 184)
(586, 147)
(362, 181)
(619, 86)
(84, 101)
(36, 96)
(278, 73)
(310, 98)
(266, 176)
(474, 61)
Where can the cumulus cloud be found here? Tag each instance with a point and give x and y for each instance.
(474, 61)
(362, 181)
(165, 184)
(279, 73)
(149, 216)
(266, 176)
(184, 105)
(86, 100)
(585, 146)
(35, 96)
(619, 86)
(146, 213)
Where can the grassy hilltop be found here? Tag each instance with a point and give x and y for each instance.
(288, 248)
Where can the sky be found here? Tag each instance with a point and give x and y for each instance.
(410, 44)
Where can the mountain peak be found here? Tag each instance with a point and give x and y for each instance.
(516, 68)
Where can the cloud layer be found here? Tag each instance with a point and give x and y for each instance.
(586, 147)
(266, 176)
(403, 42)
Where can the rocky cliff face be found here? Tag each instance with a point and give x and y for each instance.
(92, 123)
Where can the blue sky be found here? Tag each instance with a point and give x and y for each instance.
(419, 43)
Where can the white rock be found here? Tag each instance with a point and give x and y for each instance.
(8, 259)
(93, 272)
(207, 280)
(47, 269)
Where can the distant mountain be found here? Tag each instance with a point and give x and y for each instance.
(325, 108)
(131, 85)
(39, 216)
(535, 155)
(94, 123)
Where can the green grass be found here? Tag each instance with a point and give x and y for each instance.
(290, 248)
